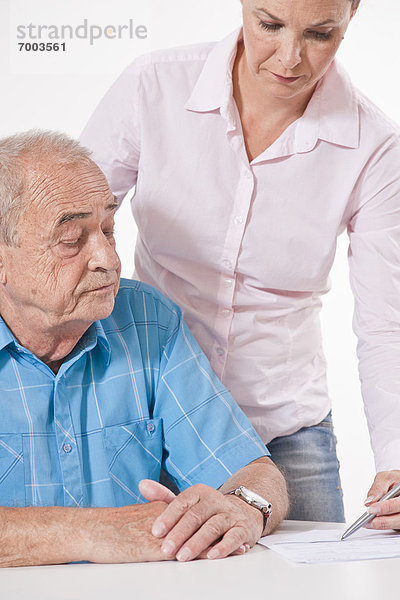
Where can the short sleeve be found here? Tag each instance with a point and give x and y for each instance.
(113, 133)
(206, 435)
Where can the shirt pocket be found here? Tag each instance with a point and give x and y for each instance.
(12, 472)
(134, 452)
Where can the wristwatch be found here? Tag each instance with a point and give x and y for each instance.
(254, 500)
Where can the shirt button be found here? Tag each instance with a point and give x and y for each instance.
(220, 351)
(238, 220)
(67, 448)
(225, 312)
(150, 427)
(228, 282)
(227, 264)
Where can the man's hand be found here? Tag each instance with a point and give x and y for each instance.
(199, 522)
(200, 517)
(388, 512)
(117, 535)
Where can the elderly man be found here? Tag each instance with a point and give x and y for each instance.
(102, 385)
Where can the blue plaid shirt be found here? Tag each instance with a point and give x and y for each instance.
(136, 394)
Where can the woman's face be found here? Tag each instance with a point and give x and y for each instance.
(290, 44)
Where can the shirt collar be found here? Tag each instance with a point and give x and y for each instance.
(95, 334)
(102, 339)
(6, 337)
(213, 88)
(331, 115)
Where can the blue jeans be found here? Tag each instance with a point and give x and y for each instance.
(309, 463)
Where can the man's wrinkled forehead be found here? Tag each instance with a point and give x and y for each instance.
(64, 193)
(69, 216)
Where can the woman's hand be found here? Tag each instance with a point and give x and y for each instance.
(387, 512)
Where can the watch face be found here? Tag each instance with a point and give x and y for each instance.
(254, 498)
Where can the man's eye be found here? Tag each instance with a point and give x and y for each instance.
(69, 248)
(109, 233)
(70, 243)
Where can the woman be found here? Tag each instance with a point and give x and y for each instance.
(250, 157)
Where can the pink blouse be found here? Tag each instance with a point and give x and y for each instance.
(246, 248)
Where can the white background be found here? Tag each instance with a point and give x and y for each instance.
(59, 91)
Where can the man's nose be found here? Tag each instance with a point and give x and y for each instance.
(289, 51)
(103, 254)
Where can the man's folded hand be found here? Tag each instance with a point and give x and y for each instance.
(201, 522)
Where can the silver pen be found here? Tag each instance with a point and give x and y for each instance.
(366, 517)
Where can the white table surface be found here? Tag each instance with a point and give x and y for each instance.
(259, 574)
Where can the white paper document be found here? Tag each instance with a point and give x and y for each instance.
(321, 546)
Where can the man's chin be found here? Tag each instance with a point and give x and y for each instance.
(103, 309)
(98, 306)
